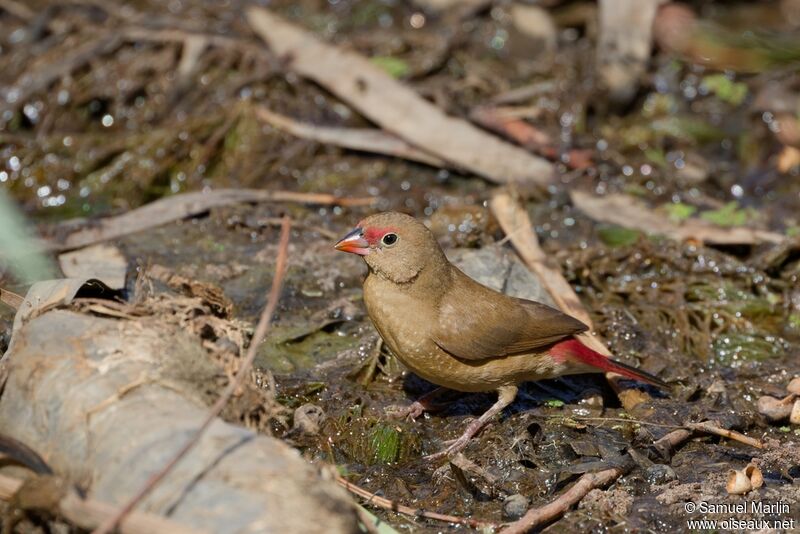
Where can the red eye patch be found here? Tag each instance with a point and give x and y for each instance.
(373, 235)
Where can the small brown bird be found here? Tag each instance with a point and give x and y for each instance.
(453, 331)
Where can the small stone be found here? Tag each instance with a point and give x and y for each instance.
(515, 506)
(660, 474)
(308, 418)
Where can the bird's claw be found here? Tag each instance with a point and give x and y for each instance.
(409, 413)
(452, 447)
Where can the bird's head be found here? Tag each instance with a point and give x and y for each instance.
(394, 245)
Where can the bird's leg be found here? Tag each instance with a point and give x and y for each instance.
(505, 396)
(418, 407)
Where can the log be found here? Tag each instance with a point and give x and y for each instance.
(107, 402)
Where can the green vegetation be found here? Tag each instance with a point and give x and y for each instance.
(395, 67)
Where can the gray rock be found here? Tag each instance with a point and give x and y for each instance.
(307, 419)
(515, 506)
(658, 474)
(499, 268)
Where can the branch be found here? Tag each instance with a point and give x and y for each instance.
(176, 207)
(536, 517)
(394, 506)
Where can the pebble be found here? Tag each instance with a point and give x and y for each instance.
(515, 506)
(660, 474)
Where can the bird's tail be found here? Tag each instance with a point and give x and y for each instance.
(572, 349)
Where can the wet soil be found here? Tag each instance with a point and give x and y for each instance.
(721, 325)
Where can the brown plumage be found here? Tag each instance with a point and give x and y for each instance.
(453, 331)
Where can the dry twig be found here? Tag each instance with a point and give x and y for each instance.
(711, 427)
(11, 299)
(185, 205)
(536, 517)
(364, 139)
(394, 506)
(396, 107)
(244, 370)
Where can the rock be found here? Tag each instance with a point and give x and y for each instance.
(307, 419)
(515, 506)
(500, 269)
(108, 402)
(535, 23)
(659, 474)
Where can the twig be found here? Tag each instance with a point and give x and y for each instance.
(517, 225)
(666, 444)
(544, 514)
(396, 107)
(364, 139)
(176, 35)
(88, 513)
(11, 299)
(506, 122)
(181, 206)
(711, 427)
(394, 506)
(244, 370)
(611, 419)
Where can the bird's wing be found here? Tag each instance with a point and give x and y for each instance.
(477, 323)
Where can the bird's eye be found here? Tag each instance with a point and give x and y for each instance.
(389, 239)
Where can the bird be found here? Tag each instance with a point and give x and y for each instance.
(457, 333)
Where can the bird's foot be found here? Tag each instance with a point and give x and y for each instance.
(409, 412)
(455, 446)
(417, 408)
(505, 397)
(452, 448)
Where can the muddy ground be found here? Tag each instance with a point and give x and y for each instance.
(721, 325)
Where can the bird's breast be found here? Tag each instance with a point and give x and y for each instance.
(403, 321)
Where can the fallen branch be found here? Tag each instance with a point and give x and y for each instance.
(630, 212)
(244, 369)
(669, 442)
(185, 205)
(364, 139)
(394, 506)
(88, 513)
(396, 107)
(537, 517)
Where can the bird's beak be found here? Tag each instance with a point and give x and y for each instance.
(354, 242)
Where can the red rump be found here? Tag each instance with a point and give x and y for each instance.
(573, 349)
